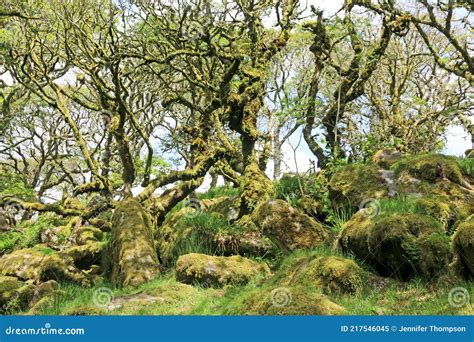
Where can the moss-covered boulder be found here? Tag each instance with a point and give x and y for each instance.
(407, 245)
(134, 258)
(84, 256)
(463, 247)
(333, 274)
(294, 300)
(438, 208)
(354, 184)
(401, 245)
(385, 158)
(354, 237)
(218, 271)
(40, 264)
(8, 289)
(288, 227)
(430, 168)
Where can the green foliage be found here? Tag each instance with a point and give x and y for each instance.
(467, 166)
(219, 191)
(13, 184)
(29, 233)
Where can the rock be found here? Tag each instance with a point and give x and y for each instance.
(54, 236)
(226, 206)
(289, 301)
(218, 271)
(88, 234)
(431, 168)
(385, 158)
(356, 184)
(134, 258)
(8, 289)
(40, 264)
(43, 290)
(246, 243)
(398, 245)
(331, 273)
(288, 227)
(354, 237)
(463, 247)
(438, 209)
(85, 256)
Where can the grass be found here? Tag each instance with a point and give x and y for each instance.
(29, 234)
(467, 166)
(219, 191)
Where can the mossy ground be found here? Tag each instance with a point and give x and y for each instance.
(377, 296)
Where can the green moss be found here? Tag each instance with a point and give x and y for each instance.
(286, 301)
(134, 258)
(463, 247)
(288, 227)
(407, 245)
(430, 168)
(218, 271)
(355, 183)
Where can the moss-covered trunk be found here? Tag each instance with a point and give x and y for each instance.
(134, 259)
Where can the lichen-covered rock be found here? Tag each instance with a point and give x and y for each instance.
(438, 209)
(354, 184)
(218, 271)
(331, 273)
(294, 300)
(40, 264)
(134, 258)
(288, 227)
(385, 158)
(430, 168)
(398, 245)
(8, 289)
(88, 234)
(354, 237)
(249, 243)
(85, 256)
(463, 247)
(55, 236)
